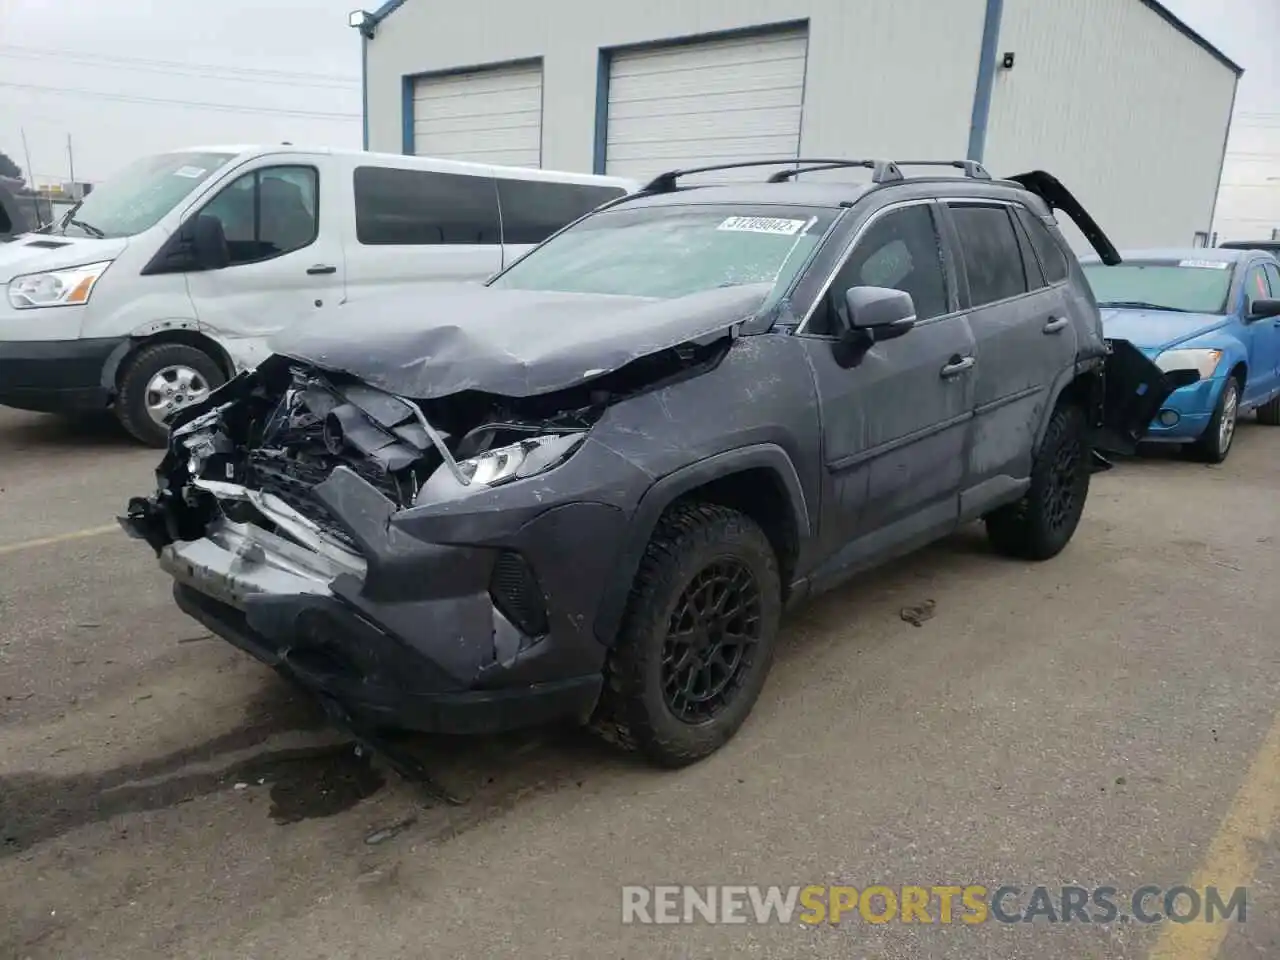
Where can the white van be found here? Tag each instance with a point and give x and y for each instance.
(170, 278)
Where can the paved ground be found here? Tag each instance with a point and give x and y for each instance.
(1106, 718)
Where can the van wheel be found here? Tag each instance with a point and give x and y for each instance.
(698, 639)
(1039, 525)
(1215, 443)
(158, 380)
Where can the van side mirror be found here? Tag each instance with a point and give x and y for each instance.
(873, 315)
(207, 242)
(1264, 308)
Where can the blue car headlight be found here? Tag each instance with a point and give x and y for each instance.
(1203, 361)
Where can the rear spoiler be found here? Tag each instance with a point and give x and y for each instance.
(1049, 189)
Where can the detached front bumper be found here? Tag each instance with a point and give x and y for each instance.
(482, 625)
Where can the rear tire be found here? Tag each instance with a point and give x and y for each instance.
(698, 638)
(1215, 443)
(1042, 523)
(135, 399)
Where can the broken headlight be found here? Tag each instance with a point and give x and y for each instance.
(516, 461)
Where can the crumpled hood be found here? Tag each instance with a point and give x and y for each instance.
(37, 252)
(1156, 330)
(445, 338)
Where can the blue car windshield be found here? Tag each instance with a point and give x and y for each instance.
(1181, 286)
(669, 251)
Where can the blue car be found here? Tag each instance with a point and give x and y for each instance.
(1213, 311)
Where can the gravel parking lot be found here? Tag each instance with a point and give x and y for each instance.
(1109, 717)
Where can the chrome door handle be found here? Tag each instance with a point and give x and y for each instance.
(1057, 326)
(957, 366)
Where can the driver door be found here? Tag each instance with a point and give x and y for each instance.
(895, 424)
(286, 260)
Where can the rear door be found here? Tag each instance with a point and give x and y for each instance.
(1026, 340)
(412, 226)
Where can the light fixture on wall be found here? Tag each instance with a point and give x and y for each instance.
(1006, 61)
(364, 21)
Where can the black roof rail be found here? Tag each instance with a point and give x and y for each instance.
(666, 182)
(882, 171)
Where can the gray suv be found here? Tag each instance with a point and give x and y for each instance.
(588, 488)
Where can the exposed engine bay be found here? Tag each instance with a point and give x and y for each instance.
(282, 429)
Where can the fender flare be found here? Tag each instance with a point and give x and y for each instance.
(157, 328)
(1093, 365)
(665, 491)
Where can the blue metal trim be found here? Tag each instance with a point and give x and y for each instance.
(364, 91)
(1174, 21)
(986, 80)
(386, 10)
(600, 150)
(1222, 160)
(406, 114)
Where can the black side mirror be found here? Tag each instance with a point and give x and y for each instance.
(873, 315)
(207, 242)
(1264, 308)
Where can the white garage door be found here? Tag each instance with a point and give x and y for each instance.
(487, 116)
(702, 103)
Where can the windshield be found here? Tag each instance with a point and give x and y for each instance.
(1184, 286)
(139, 195)
(666, 252)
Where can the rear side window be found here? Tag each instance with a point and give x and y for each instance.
(990, 253)
(532, 210)
(1053, 262)
(422, 208)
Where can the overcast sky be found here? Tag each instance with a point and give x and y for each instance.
(127, 77)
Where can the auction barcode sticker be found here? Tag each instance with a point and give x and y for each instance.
(1204, 264)
(778, 225)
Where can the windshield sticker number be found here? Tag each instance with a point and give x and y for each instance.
(191, 173)
(1204, 264)
(775, 225)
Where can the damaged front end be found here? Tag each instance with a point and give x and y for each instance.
(425, 564)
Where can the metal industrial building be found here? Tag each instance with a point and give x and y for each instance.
(1118, 98)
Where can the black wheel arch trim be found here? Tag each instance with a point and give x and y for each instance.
(665, 491)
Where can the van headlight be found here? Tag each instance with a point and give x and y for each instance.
(1204, 362)
(56, 288)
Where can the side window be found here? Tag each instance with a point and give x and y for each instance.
(1256, 286)
(901, 250)
(268, 212)
(421, 207)
(1030, 264)
(532, 210)
(1053, 262)
(989, 249)
(1273, 276)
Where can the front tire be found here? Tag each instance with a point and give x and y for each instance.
(698, 638)
(1043, 522)
(159, 379)
(1215, 443)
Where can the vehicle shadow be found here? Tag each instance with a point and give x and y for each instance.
(21, 431)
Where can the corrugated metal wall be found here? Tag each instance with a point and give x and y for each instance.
(1130, 114)
(882, 77)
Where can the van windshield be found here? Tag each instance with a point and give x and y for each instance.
(139, 195)
(666, 252)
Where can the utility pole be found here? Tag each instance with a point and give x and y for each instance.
(71, 164)
(30, 178)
